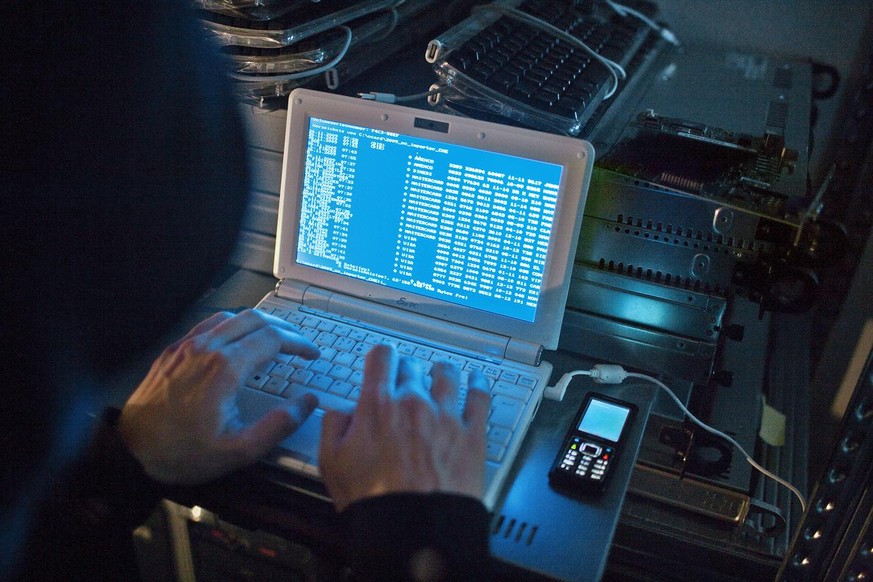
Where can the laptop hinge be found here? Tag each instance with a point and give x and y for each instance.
(468, 341)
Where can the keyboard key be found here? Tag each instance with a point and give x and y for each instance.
(344, 359)
(325, 326)
(282, 371)
(499, 435)
(258, 380)
(301, 376)
(340, 388)
(340, 373)
(344, 344)
(494, 452)
(320, 366)
(274, 385)
(326, 400)
(320, 382)
(505, 411)
(511, 390)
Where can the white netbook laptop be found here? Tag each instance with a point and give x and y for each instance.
(452, 239)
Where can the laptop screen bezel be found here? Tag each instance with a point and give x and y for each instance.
(576, 157)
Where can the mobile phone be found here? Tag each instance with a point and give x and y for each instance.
(589, 451)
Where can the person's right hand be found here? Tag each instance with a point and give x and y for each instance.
(402, 438)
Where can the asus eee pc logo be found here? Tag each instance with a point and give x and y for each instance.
(402, 302)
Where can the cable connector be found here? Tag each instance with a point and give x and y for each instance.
(379, 97)
(608, 374)
(557, 391)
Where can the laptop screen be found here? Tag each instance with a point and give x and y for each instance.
(445, 221)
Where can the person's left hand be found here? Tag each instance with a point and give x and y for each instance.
(182, 422)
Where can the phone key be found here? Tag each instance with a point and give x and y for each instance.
(505, 411)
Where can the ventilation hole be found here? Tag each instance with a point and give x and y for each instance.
(520, 532)
(497, 524)
(620, 218)
(531, 534)
(509, 527)
(639, 222)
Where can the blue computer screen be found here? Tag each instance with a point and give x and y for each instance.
(604, 419)
(449, 222)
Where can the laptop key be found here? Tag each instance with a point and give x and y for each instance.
(505, 411)
(511, 390)
(326, 400)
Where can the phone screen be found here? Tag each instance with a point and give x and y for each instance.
(604, 419)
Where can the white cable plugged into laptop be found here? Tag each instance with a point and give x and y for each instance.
(615, 374)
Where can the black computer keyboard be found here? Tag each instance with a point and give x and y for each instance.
(513, 68)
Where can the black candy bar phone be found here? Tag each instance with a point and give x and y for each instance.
(592, 444)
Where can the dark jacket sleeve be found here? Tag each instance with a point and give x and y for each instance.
(84, 529)
(418, 537)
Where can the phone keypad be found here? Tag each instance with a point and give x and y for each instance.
(586, 460)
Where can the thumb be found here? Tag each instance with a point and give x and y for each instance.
(277, 424)
(333, 428)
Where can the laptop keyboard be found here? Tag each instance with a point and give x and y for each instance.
(545, 82)
(336, 377)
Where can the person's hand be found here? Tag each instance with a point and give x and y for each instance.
(182, 422)
(401, 438)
